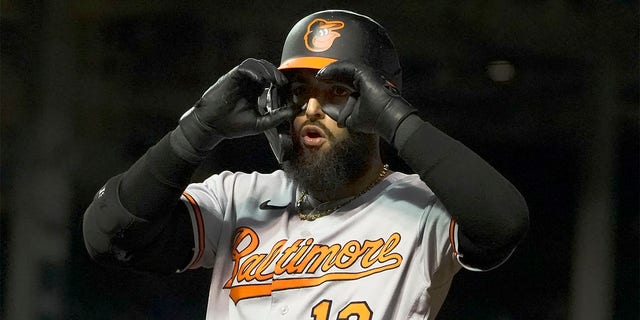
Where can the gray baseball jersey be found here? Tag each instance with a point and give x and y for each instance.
(388, 254)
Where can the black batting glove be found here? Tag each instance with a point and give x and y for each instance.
(376, 106)
(229, 109)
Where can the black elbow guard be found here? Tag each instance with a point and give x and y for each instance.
(491, 253)
(105, 221)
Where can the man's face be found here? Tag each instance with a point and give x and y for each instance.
(326, 157)
(313, 130)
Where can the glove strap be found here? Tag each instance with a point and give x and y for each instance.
(396, 111)
(405, 129)
(192, 140)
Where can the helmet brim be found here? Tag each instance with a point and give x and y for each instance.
(306, 63)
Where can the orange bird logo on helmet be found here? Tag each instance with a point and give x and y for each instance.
(321, 34)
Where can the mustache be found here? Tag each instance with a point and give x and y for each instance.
(318, 124)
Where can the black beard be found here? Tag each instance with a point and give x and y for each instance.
(324, 172)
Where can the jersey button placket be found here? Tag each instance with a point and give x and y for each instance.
(284, 310)
(279, 308)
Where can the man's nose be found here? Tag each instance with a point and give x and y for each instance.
(314, 109)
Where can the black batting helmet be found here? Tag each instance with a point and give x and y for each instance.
(322, 38)
(327, 36)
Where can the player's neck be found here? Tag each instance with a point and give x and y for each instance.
(357, 186)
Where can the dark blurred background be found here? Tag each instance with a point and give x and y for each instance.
(546, 91)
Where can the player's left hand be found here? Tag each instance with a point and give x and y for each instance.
(376, 106)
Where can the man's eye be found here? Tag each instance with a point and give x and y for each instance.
(300, 91)
(300, 95)
(340, 91)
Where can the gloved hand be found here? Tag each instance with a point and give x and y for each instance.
(228, 109)
(376, 105)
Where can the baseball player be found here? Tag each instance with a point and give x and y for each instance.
(334, 234)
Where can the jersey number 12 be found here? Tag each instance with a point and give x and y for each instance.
(360, 309)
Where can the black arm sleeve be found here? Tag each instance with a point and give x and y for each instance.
(137, 221)
(491, 214)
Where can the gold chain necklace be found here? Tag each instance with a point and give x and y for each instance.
(318, 214)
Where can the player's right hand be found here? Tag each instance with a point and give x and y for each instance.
(228, 109)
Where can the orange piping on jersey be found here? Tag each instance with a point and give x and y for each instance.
(303, 257)
(200, 224)
(452, 237)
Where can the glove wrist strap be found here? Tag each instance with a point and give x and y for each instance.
(192, 140)
(396, 112)
(405, 129)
